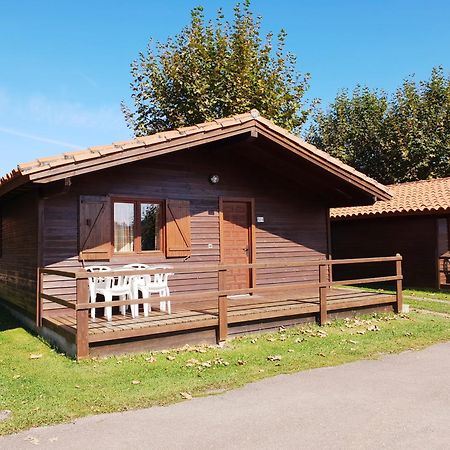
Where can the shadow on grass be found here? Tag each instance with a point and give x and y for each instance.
(7, 321)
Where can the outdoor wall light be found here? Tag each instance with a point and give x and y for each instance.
(214, 178)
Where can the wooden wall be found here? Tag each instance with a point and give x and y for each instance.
(295, 222)
(414, 237)
(443, 247)
(19, 253)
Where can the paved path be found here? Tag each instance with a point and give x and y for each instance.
(397, 402)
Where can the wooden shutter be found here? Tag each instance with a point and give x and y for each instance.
(178, 228)
(95, 228)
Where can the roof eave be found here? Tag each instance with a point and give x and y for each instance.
(373, 188)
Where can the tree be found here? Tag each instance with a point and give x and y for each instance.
(403, 137)
(216, 69)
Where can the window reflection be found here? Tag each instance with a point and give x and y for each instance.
(124, 227)
(150, 223)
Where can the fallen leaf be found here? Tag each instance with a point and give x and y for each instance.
(192, 362)
(374, 328)
(201, 350)
(186, 395)
(171, 358)
(323, 355)
(274, 358)
(271, 339)
(290, 350)
(36, 356)
(135, 382)
(16, 377)
(241, 362)
(151, 359)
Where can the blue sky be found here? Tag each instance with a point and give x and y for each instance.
(64, 66)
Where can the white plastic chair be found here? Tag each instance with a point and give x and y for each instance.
(119, 286)
(96, 283)
(141, 284)
(161, 284)
(147, 286)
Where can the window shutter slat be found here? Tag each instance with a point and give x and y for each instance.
(95, 228)
(178, 228)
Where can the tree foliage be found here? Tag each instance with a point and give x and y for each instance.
(403, 137)
(214, 69)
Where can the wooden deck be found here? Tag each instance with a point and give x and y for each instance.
(189, 317)
(209, 315)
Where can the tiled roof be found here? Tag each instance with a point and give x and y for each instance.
(40, 166)
(427, 196)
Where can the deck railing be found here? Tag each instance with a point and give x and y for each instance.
(444, 271)
(82, 305)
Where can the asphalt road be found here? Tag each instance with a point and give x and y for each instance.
(397, 402)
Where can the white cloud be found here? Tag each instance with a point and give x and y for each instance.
(72, 114)
(44, 110)
(34, 137)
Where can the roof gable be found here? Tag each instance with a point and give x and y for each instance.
(46, 170)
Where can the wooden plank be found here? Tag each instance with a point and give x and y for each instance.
(323, 290)
(39, 303)
(280, 263)
(58, 272)
(367, 301)
(82, 338)
(222, 308)
(59, 301)
(399, 287)
(153, 330)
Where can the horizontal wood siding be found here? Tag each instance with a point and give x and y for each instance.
(18, 260)
(294, 224)
(443, 247)
(414, 237)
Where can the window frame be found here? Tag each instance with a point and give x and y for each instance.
(137, 202)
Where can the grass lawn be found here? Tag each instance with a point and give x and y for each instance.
(429, 305)
(41, 386)
(426, 299)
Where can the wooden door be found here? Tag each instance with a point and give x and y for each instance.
(236, 246)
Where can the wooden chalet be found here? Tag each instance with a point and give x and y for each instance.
(238, 207)
(415, 223)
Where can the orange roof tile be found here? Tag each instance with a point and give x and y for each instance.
(408, 198)
(34, 168)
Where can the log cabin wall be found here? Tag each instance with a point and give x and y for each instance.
(295, 220)
(414, 237)
(19, 252)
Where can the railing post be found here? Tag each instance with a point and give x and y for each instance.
(39, 286)
(399, 285)
(323, 278)
(222, 300)
(82, 316)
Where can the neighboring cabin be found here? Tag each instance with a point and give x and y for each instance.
(415, 223)
(234, 190)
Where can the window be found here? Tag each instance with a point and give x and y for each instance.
(137, 226)
(150, 226)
